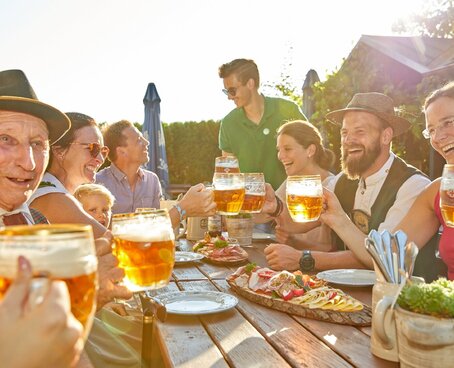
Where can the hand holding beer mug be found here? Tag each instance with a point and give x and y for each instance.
(304, 197)
(145, 248)
(254, 185)
(229, 192)
(447, 195)
(226, 164)
(63, 252)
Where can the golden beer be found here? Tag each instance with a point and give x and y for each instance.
(148, 263)
(82, 292)
(58, 252)
(447, 194)
(229, 192)
(304, 197)
(254, 199)
(448, 215)
(253, 203)
(145, 248)
(229, 201)
(447, 206)
(304, 208)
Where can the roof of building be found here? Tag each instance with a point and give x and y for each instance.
(423, 54)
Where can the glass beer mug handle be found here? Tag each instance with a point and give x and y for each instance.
(182, 227)
(39, 286)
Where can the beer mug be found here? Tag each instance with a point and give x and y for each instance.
(197, 227)
(254, 198)
(62, 252)
(447, 195)
(229, 192)
(304, 197)
(145, 248)
(226, 164)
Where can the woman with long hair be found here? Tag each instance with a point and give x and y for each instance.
(73, 160)
(300, 149)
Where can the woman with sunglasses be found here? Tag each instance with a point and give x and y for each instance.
(73, 161)
(424, 218)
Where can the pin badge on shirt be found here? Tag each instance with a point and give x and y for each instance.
(266, 131)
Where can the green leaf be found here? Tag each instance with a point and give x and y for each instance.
(299, 280)
(220, 244)
(250, 267)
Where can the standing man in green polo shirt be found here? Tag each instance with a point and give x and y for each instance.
(249, 131)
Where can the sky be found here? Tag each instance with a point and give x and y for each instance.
(98, 56)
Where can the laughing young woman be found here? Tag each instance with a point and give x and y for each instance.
(424, 218)
(73, 161)
(300, 150)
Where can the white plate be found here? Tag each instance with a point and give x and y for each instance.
(197, 302)
(185, 257)
(348, 277)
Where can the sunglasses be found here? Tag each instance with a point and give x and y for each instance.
(230, 91)
(95, 149)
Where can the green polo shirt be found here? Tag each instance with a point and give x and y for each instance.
(255, 145)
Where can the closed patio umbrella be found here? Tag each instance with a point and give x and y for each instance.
(153, 132)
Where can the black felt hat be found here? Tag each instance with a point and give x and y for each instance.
(16, 94)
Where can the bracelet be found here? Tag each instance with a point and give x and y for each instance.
(279, 207)
(181, 211)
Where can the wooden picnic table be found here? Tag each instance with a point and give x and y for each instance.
(251, 335)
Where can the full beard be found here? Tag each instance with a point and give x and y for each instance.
(354, 167)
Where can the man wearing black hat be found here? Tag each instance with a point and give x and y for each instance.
(48, 335)
(375, 189)
(27, 128)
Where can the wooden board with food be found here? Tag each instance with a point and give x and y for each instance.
(298, 294)
(220, 250)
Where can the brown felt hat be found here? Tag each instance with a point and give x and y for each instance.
(374, 103)
(16, 94)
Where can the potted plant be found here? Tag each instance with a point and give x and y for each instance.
(425, 324)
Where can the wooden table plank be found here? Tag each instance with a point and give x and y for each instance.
(299, 346)
(184, 342)
(256, 254)
(347, 341)
(240, 342)
(187, 272)
(252, 335)
(215, 272)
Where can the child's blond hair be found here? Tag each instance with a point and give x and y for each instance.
(85, 190)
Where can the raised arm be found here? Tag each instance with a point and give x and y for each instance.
(421, 223)
(62, 208)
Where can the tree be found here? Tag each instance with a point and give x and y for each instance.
(435, 20)
(365, 71)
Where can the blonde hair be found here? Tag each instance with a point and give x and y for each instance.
(85, 190)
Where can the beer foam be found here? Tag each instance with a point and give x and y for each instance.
(60, 261)
(147, 237)
(228, 164)
(143, 232)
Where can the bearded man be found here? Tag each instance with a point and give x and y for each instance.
(374, 190)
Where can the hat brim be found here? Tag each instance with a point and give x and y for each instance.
(399, 125)
(57, 122)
